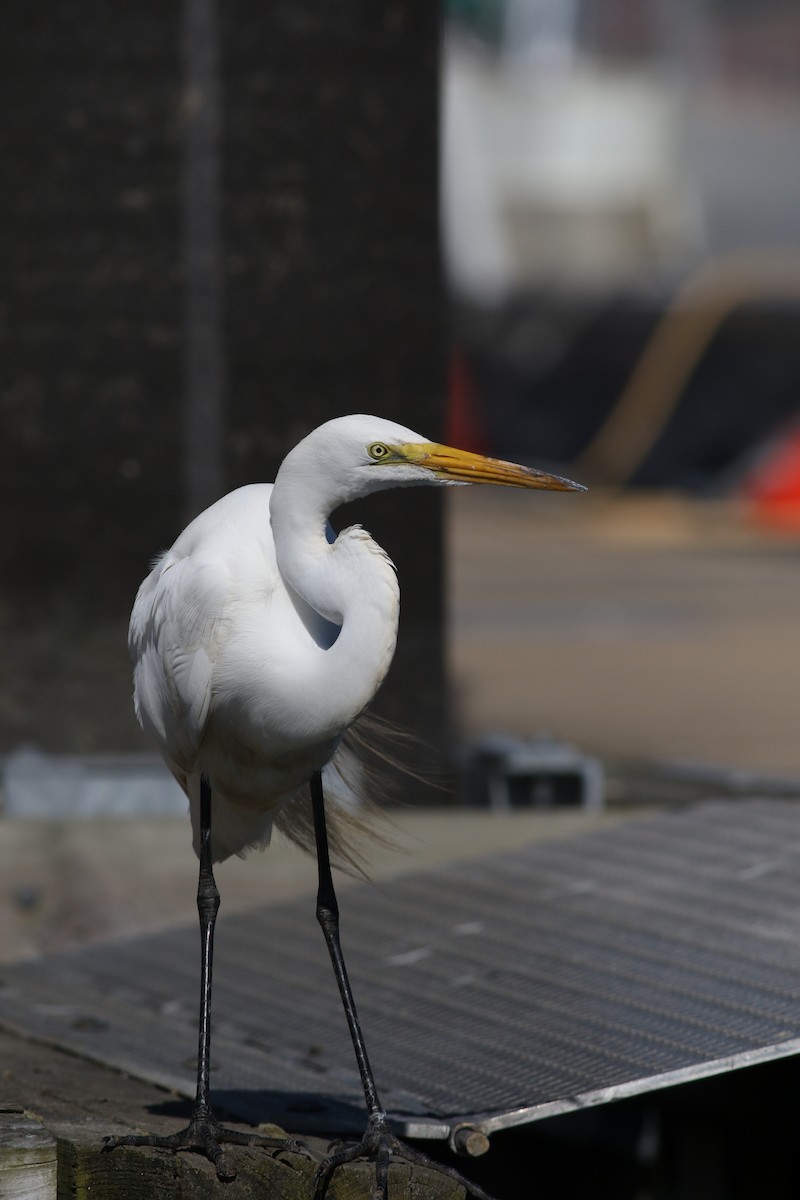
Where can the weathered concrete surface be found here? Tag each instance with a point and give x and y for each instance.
(636, 626)
(73, 882)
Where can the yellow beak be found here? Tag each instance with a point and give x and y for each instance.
(464, 467)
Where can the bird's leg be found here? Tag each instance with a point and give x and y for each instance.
(378, 1142)
(204, 1134)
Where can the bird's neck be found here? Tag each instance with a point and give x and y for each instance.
(350, 582)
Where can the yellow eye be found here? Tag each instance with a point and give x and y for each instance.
(378, 451)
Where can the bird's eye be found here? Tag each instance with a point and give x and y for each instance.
(377, 451)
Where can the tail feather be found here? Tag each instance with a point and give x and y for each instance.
(352, 816)
(359, 780)
(357, 788)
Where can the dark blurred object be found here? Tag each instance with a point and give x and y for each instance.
(547, 374)
(330, 300)
(504, 772)
(319, 221)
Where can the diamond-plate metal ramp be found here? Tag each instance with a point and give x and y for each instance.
(492, 992)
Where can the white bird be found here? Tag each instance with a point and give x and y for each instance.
(257, 641)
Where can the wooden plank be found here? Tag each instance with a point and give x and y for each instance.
(76, 1103)
(86, 1172)
(133, 1173)
(27, 1159)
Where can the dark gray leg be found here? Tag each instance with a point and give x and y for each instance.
(204, 1134)
(378, 1142)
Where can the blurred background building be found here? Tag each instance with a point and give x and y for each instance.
(606, 161)
(204, 256)
(216, 234)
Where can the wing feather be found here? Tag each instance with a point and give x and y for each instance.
(178, 626)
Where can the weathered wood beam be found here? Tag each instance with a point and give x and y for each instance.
(53, 1100)
(27, 1158)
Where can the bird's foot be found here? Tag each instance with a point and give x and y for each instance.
(204, 1135)
(380, 1145)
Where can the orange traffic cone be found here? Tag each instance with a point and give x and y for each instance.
(773, 488)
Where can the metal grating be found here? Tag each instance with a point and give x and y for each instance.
(493, 992)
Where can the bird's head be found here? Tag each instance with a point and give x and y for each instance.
(368, 454)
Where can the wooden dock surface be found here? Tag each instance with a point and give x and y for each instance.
(46, 1091)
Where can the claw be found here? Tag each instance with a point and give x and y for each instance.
(204, 1135)
(294, 1146)
(379, 1144)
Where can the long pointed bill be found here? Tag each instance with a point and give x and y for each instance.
(464, 467)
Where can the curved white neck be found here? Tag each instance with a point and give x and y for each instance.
(350, 582)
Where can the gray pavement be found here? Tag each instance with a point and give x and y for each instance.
(656, 628)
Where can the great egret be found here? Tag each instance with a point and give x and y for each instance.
(257, 640)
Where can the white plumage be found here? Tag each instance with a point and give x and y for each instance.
(257, 641)
(260, 636)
